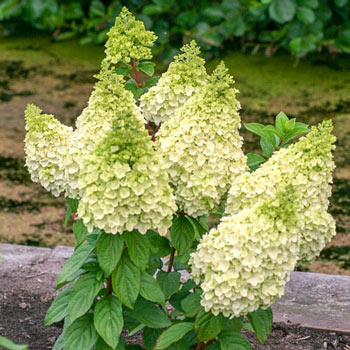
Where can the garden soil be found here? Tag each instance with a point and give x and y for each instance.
(58, 77)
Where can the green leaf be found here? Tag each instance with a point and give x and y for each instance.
(138, 248)
(282, 10)
(260, 130)
(126, 281)
(152, 81)
(281, 122)
(8, 344)
(200, 227)
(305, 15)
(109, 249)
(150, 315)
(208, 326)
(80, 232)
(150, 336)
(310, 3)
(152, 10)
(234, 324)
(173, 334)
(58, 309)
(261, 320)
(233, 340)
(150, 289)
(169, 282)
(254, 160)
(72, 207)
(74, 263)
(102, 345)
(123, 69)
(159, 245)
(340, 3)
(215, 346)
(182, 234)
(59, 344)
(108, 319)
(81, 334)
(147, 67)
(266, 147)
(83, 295)
(191, 304)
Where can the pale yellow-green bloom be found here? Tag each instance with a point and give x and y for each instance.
(46, 145)
(128, 39)
(202, 147)
(124, 184)
(245, 262)
(306, 165)
(184, 77)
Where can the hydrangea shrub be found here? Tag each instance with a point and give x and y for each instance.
(148, 162)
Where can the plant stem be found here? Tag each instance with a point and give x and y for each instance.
(109, 286)
(199, 346)
(171, 260)
(136, 72)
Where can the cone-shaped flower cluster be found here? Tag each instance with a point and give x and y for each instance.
(124, 184)
(306, 165)
(108, 100)
(183, 79)
(128, 39)
(245, 262)
(202, 146)
(46, 145)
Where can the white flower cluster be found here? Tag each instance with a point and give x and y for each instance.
(244, 263)
(185, 76)
(124, 184)
(306, 165)
(108, 100)
(202, 146)
(128, 39)
(46, 144)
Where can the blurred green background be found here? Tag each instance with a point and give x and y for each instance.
(298, 27)
(285, 55)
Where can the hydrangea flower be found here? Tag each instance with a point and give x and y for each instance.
(202, 146)
(108, 100)
(46, 144)
(306, 165)
(245, 262)
(183, 79)
(124, 184)
(128, 39)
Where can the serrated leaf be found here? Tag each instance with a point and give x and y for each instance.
(81, 334)
(169, 282)
(191, 305)
(173, 334)
(108, 319)
(80, 232)
(74, 263)
(260, 130)
(59, 308)
(138, 248)
(149, 314)
(261, 321)
(83, 295)
(233, 340)
(150, 289)
(126, 281)
(267, 148)
(208, 326)
(147, 67)
(109, 249)
(182, 234)
(254, 160)
(8, 344)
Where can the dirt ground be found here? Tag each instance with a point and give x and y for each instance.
(58, 77)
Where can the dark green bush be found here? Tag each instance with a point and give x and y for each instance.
(298, 26)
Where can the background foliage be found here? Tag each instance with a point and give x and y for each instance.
(297, 26)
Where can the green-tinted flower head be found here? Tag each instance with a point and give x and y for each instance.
(128, 39)
(202, 147)
(182, 80)
(245, 262)
(306, 165)
(124, 184)
(46, 145)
